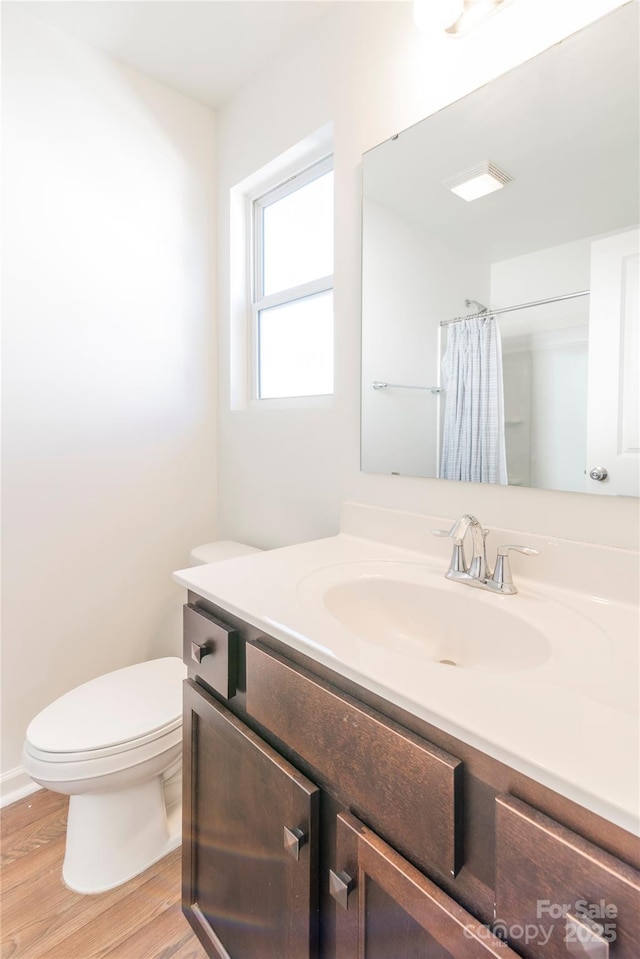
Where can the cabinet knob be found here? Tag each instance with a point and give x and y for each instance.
(340, 885)
(199, 651)
(294, 840)
(584, 938)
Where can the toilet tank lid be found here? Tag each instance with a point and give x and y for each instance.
(118, 707)
(221, 549)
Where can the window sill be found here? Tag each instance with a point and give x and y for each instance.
(291, 403)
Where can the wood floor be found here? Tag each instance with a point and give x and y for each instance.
(42, 919)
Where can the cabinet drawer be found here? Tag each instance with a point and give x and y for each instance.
(210, 650)
(387, 908)
(551, 885)
(406, 789)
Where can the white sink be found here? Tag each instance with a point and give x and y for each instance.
(431, 624)
(414, 611)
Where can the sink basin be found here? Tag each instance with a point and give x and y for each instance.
(429, 623)
(410, 609)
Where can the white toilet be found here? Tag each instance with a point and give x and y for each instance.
(114, 745)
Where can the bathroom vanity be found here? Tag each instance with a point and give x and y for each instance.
(329, 813)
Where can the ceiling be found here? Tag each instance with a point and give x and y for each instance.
(564, 126)
(207, 49)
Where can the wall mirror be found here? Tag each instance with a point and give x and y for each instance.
(550, 259)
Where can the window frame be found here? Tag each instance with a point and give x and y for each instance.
(259, 301)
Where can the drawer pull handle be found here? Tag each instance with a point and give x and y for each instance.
(294, 840)
(199, 651)
(584, 938)
(340, 885)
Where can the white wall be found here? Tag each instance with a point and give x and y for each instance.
(559, 412)
(554, 271)
(410, 280)
(283, 473)
(109, 353)
(545, 362)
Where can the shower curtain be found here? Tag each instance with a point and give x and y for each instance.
(473, 443)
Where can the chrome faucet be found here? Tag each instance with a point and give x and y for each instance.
(477, 573)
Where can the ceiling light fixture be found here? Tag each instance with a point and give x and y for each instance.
(432, 15)
(477, 181)
(455, 17)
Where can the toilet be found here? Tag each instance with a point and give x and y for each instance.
(114, 746)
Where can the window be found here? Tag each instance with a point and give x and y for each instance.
(293, 286)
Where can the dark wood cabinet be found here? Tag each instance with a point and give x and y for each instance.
(250, 843)
(573, 897)
(387, 908)
(211, 647)
(396, 776)
(323, 822)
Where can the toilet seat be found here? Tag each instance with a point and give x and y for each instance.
(150, 745)
(66, 772)
(120, 711)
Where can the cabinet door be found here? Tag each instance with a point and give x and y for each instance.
(250, 840)
(558, 895)
(387, 908)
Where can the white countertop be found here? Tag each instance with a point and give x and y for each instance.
(570, 723)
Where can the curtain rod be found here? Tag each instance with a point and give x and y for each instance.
(520, 306)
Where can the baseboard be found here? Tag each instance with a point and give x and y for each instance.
(14, 785)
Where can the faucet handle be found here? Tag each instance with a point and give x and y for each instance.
(502, 579)
(458, 562)
(527, 550)
(441, 532)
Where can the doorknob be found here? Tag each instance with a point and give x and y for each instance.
(598, 473)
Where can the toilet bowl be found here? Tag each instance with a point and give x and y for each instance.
(114, 746)
(111, 744)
